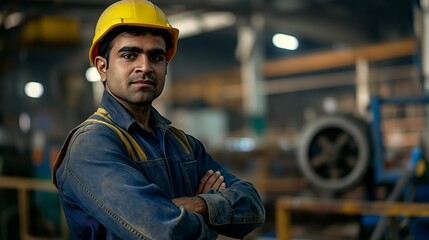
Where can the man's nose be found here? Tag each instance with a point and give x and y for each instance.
(143, 64)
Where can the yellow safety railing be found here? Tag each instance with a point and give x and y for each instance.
(285, 205)
(23, 186)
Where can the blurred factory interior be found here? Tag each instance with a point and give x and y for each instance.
(263, 83)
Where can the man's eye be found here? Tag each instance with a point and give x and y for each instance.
(128, 56)
(157, 57)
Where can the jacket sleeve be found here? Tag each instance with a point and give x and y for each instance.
(236, 210)
(97, 176)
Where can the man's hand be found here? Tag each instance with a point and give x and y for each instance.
(211, 180)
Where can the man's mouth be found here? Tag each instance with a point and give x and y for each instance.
(143, 83)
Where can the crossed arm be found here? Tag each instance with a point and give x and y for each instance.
(210, 180)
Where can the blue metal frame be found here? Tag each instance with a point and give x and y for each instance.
(383, 175)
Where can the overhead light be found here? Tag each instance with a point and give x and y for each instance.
(216, 20)
(188, 26)
(92, 75)
(285, 41)
(34, 89)
(194, 23)
(13, 20)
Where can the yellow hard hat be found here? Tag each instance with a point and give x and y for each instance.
(132, 13)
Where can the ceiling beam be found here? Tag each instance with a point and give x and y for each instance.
(339, 58)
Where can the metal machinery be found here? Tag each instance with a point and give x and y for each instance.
(338, 152)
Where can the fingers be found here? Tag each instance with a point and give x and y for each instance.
(211, 180)
(203, 181)
(219, 179)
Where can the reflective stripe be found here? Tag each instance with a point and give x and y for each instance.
(125, 138)
(103, 113)
(130, 143)
(129, 140)
(181, 139)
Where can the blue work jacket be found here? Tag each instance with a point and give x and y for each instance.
(107, 195)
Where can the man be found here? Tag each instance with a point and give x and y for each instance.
(125, 173)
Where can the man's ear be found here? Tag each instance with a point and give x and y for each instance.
(101, 66)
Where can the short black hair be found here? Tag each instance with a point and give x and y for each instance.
(106, 42)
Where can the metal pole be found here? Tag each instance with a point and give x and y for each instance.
(250, 51)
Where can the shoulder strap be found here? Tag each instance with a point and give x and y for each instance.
(101, 116)
(181, 138)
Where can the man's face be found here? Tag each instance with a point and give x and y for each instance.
(137, 69)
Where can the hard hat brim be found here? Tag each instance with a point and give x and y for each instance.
(174, 32)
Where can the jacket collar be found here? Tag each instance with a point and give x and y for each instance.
(124, 119)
